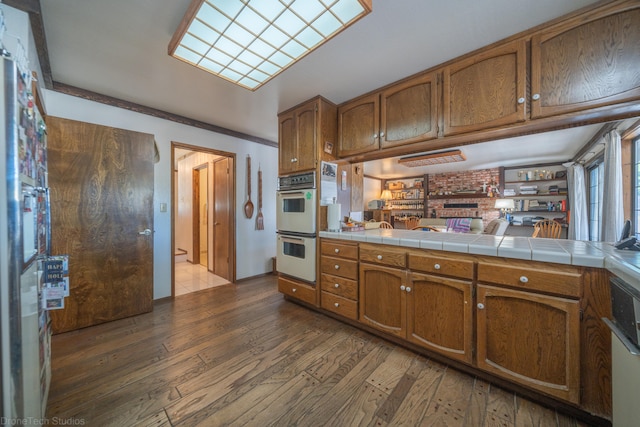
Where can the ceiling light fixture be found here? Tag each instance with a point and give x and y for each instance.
(433, 159)
(248, 42)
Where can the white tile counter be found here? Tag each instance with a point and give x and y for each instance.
(625, 264)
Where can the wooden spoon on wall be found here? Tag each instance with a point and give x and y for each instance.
(248, 206)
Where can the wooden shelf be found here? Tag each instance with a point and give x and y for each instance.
(459, 196)
(533, 181)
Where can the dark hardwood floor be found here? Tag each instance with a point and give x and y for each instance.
(241, 355)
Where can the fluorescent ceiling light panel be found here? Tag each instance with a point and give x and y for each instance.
(248, 42)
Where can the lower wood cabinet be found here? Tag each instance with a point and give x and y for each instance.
(440, 315)
(383, 294)
(532, 339)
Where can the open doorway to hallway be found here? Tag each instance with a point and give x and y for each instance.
(203, 223)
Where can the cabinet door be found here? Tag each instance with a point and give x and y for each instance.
(531, 339)
(439, 315)
(383, 298)
(587, 62)
(287, 143)
(409, 112)
(358, 126)
(486, 90)
(306, 129)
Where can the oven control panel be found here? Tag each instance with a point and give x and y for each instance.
(294, 182)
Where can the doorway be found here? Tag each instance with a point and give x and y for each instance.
(203, 218)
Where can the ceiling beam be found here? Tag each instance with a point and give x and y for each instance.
(119, 103)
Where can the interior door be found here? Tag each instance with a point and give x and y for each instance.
(101, 181)
(222, 235)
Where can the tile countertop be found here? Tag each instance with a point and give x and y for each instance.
(624, 264)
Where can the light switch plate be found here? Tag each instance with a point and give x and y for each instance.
(163, 207)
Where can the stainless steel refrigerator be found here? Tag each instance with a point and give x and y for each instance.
(24, 244)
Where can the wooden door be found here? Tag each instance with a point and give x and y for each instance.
(222, 219)
(532, 339)
(287, 143)
(408, 112)
(358, 126)
(486, 90)
(439, 315)
(306, 131)
(383, 298)
(101, 181)
(587, 62)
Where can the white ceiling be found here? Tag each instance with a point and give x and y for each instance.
(119, 48)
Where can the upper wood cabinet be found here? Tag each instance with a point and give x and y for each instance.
(401, 114)
(409, 111)
(299, 131)
(486, 90)
(358, 126)
(587, 62)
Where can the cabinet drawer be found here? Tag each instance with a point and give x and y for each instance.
(383, 255)
(345, 288)
(342, 306)
(445, 266)
(341, 250)
(339, 267)
(555, 280)
(297, 290)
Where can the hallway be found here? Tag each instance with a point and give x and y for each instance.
(191, 278)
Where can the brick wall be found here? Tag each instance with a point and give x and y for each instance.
(464, 181)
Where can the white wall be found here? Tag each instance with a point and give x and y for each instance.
(254, 249)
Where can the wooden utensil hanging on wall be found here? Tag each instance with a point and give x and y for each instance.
(248, 206)
(259, 218)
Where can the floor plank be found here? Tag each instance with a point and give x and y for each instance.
(241, 354)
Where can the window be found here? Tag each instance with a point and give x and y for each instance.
(635, 191)
(596, 176)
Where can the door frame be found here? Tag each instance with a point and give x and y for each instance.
(195, 211)
(232, 208)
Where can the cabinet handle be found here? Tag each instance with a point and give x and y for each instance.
(336, 285)
(337, 267)
(481, 306)
(408, 289)
(293, 290)
(536, 96)
(524, 279)
(437, 266)
(520, 100)
(336, 304)
(402, 288)
(379, 257)
(337, 250)
(381, 134)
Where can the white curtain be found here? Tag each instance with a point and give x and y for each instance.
(579, 221)
(612, 215)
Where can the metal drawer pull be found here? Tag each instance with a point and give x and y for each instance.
(408, 289)
(337, 250)
(293, 290)
(336, 285)
(437, 266)
(337, 267)
(524, 279)
(481, 306)
(379, 257)
(402, 288)
(336, 304)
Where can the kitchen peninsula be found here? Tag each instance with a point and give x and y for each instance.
(524, 313)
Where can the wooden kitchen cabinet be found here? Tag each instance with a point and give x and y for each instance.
(486, 90)
(383, 298)
(532, 339)
(440, 315)
(404, 113)
(339, 277)
(587, 62)
(301, 131)
(297, 290)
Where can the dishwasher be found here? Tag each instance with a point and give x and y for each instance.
(625, 352)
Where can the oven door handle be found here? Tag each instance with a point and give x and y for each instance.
(291, 195)
(291, 239)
